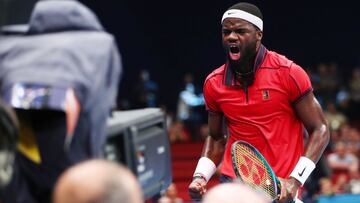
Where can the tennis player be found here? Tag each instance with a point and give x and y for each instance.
(266, 100)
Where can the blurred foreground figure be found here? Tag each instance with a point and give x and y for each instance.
(233, 193)
(61, 76)
(97, 181)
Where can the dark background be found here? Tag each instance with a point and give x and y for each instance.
(171, 38)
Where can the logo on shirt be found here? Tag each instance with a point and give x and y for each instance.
(265, 94)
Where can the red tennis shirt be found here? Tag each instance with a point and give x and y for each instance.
(267, 120)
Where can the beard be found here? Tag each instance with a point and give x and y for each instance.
(243, 67)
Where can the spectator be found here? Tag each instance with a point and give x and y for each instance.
(170, 195)
(97, 181)
(187, 103)
(343, 100)
(145, 91)
(234, 193)
(354, 103)
(353, 139)
(343, 163)
(177, 132)
(326, 186)
(335, 118)
(328, 81)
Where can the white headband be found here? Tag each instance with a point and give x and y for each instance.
(235, 13)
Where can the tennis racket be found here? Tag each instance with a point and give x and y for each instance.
(252, 169)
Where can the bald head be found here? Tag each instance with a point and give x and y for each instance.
(233, 193)
(97, 181)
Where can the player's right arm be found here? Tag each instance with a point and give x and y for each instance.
(212, 154)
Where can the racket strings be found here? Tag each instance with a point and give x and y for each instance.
(254, 172)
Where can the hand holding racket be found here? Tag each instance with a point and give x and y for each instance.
(197, 188)
(252, 168)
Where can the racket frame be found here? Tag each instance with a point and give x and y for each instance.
(277, 185)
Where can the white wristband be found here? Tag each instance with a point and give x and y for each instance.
(205, 168)
(303, 169)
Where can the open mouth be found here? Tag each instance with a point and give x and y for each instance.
(234, 52)
(234, 49)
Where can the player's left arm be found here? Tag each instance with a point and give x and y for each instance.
(310, 113)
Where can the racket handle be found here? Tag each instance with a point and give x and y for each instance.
(278, 185)
(278, 188)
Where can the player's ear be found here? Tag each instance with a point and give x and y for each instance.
(259, 35)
